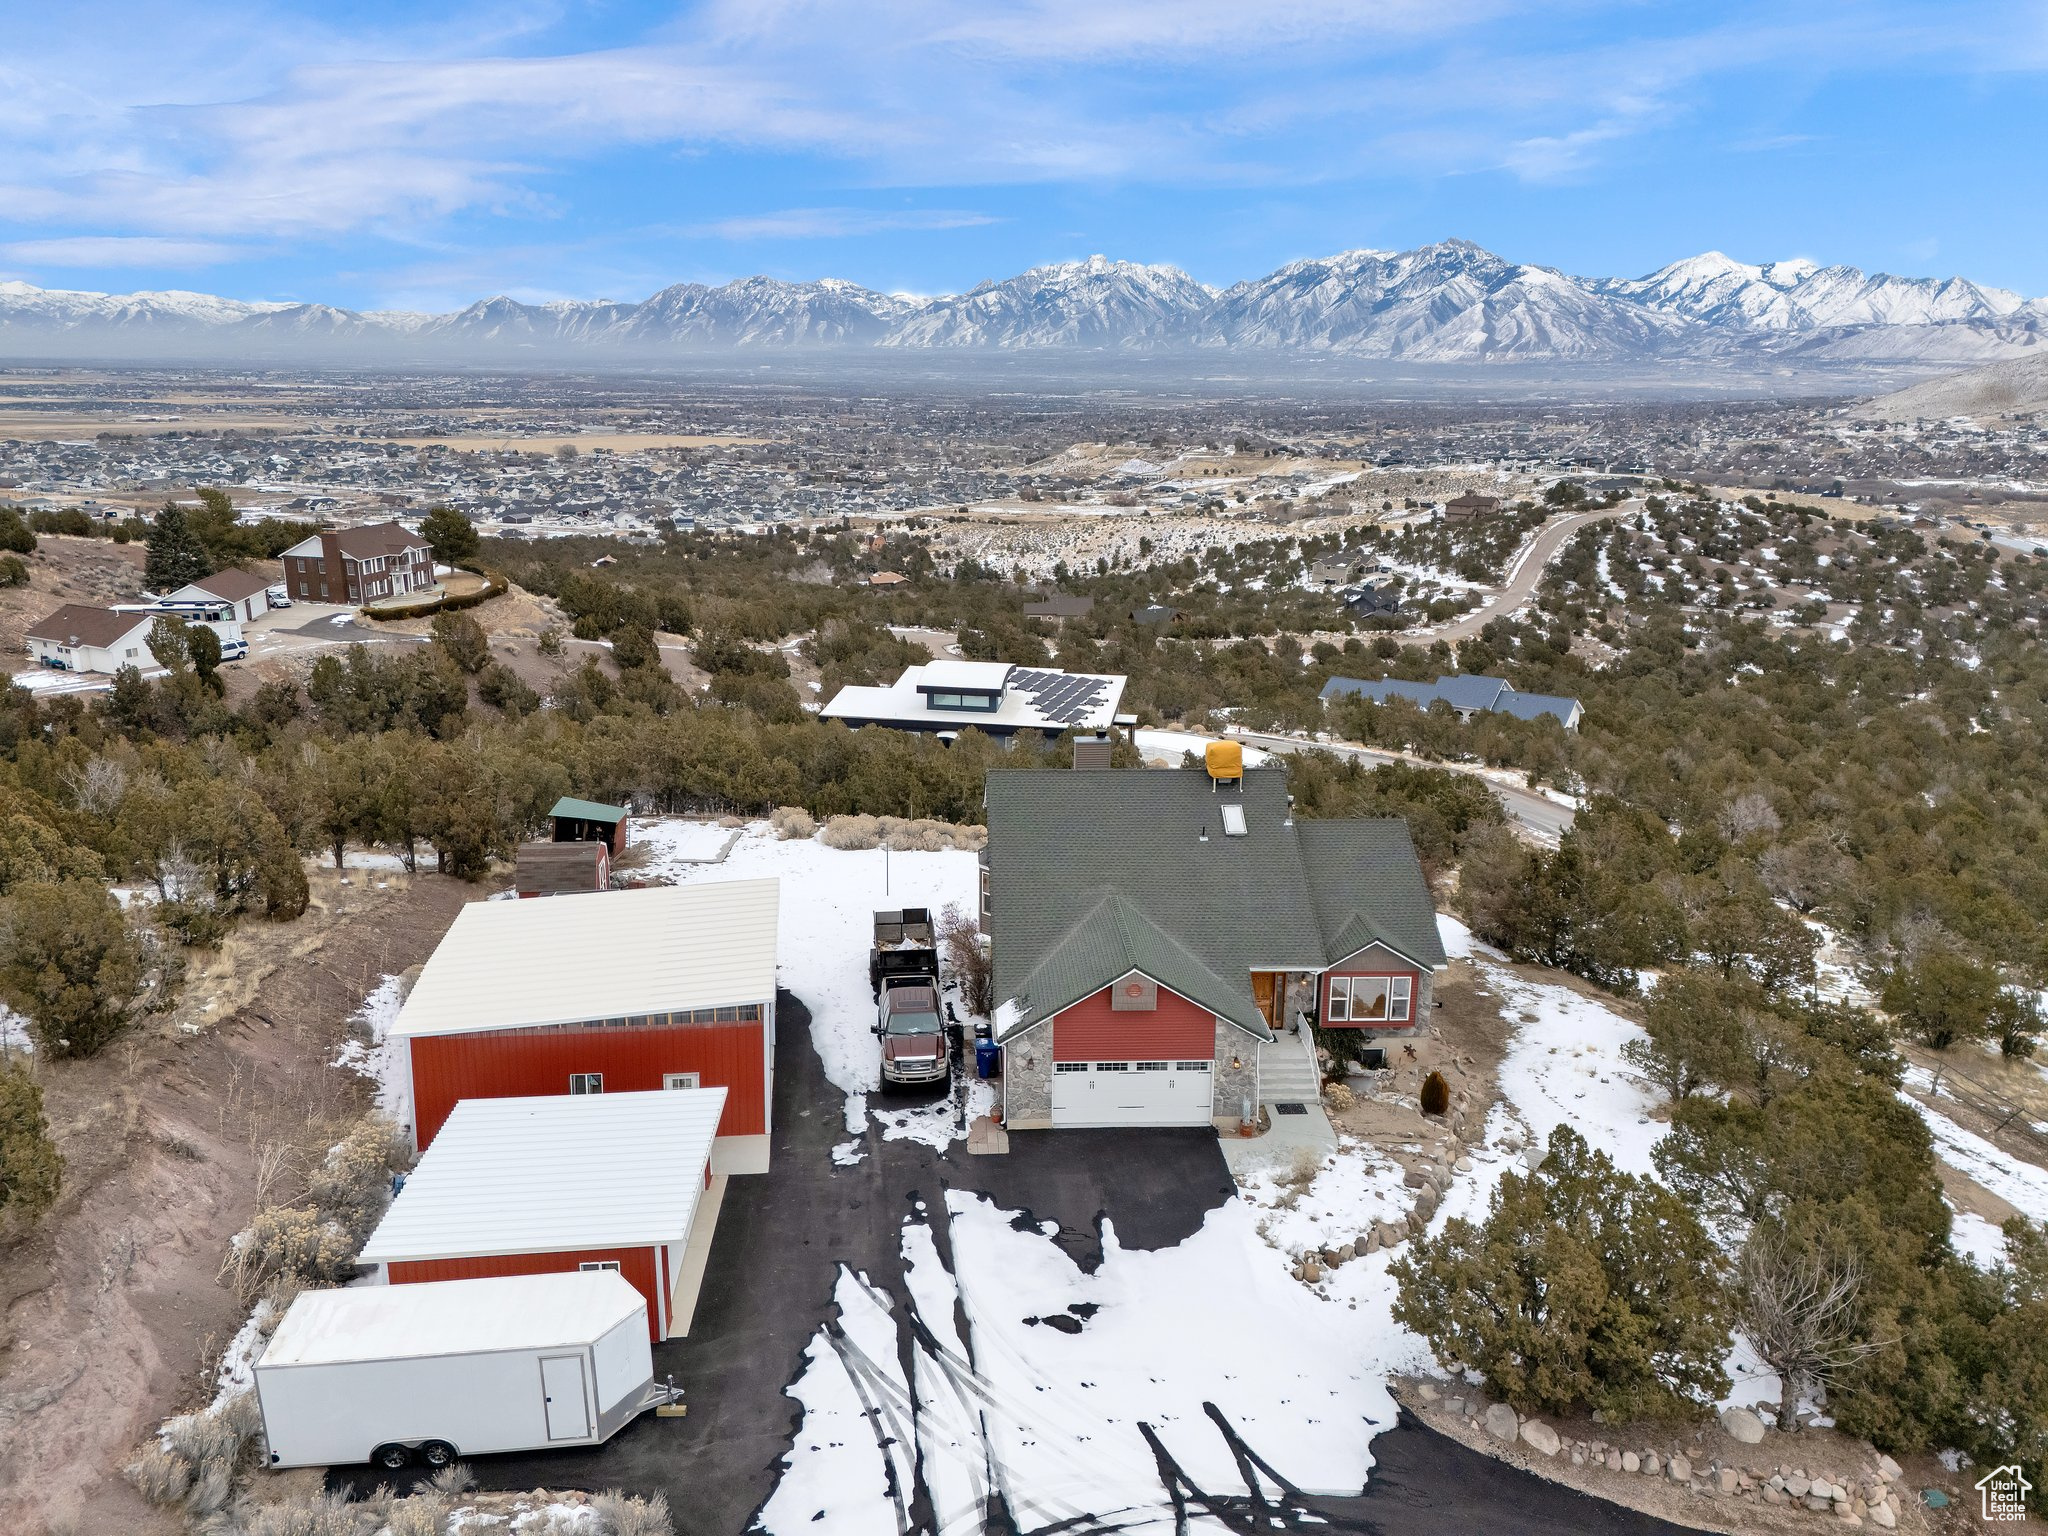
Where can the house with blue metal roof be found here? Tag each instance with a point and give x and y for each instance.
(1465, 692)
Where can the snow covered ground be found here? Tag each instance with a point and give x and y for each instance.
(1045, 1397)
(829, 900)
(376, 1058)
(2021, 1185)
(671, 841)
(1171, 746)
(14, 1035)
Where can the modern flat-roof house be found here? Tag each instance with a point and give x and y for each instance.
(551, 1185)
(995, 697)
(80, 637)
(1469, 695)
(240, 591)
(604, 992)
(1160, 936)
(358, 565)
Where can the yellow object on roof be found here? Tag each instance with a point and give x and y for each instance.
(1225, 760)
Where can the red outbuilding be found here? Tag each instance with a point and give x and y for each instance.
(534, 1186)
(606, 992)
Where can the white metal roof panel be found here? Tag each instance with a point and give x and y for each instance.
(452, 1317)
(963, 674)
(597, 955)
(554, 1175)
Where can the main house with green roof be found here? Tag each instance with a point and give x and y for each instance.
(1161, 938)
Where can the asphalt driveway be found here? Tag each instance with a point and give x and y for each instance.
(782, 1235)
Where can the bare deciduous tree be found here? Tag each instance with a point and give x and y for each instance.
(99, 786)
(968, 961)
(1799, 1308)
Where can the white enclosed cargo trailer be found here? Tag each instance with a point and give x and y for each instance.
(450, 1368)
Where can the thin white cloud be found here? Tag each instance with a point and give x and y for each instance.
(312, 131)
(832, 223)
(120, 251)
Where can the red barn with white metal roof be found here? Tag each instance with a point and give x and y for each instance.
(557, 1184)
(603, 993)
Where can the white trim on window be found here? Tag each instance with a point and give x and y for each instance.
(586, 1082)
(681, 1080)
(1371, 999)
(590, 1266)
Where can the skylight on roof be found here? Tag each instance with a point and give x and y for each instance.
(1233, 818)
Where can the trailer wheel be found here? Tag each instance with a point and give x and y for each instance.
(392, 1458)
(438, 1453)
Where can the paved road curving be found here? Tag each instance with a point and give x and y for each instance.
(1523, 580)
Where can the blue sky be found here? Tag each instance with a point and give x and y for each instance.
(357, 154)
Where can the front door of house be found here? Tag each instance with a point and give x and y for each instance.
(1267, 996)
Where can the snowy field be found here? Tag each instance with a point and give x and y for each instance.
(829, 900)
(667, 842)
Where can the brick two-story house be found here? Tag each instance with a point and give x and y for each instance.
(358, 565)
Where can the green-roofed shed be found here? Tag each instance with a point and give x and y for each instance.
(589, 821)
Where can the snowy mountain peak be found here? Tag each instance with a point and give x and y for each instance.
(1452, 301)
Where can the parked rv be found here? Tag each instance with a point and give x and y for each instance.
(903, 968)
(389, 1374)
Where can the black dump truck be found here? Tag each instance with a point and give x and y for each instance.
(903, 969)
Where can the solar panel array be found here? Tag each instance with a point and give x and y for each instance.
(1061, 696)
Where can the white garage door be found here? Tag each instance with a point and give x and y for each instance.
(1130, 1092)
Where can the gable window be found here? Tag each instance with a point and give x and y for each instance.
(679, 1080)
(590, 1266)
(1370, 999)
(586, 1082)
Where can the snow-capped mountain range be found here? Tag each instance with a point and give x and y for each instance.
(1451, 302)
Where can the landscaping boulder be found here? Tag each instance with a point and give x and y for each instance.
(1888, 1469)
(1881, 1516)
(1501, 1422)
(1541, 1436)
(1743, 1426)
(1679, 1469)
(1631, 1462)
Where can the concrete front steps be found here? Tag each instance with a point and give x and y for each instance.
(1287, 1073)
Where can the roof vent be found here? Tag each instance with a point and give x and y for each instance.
(1233, 818)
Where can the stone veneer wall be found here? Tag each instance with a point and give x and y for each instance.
(1231, 1089)
(1027, 1081)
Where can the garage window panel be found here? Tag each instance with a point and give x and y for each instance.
(1192, 1066)
(1112, 1066)
(1155, 1066)
(1070, 1066)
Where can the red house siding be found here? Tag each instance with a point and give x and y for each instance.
(1380, 964)
(511, 1063)
(1174, 1031)
(639, 1266)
